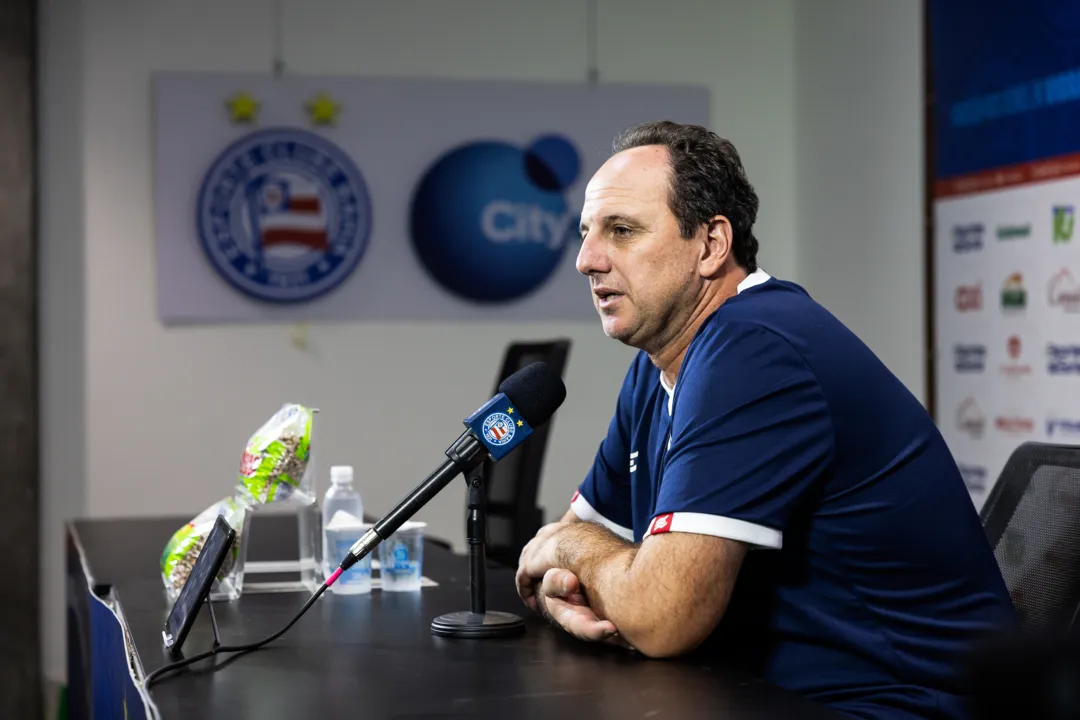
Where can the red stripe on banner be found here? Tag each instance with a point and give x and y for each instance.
(1053, 168)
(306, 205)
(314, 239)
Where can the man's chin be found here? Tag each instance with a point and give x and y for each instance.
(616, 330)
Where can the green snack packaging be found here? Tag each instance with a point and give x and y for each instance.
(183, 548)
(276, 459)
(276, 466)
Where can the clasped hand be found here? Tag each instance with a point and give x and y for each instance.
(556, 592)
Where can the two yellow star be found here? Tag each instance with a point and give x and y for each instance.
(511, 411)
(244, 108)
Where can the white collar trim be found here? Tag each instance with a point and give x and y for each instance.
(753, 279)
(670, 392)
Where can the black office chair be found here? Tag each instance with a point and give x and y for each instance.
(513, 484)
(1032, 520)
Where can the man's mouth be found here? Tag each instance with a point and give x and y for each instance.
(606, 297)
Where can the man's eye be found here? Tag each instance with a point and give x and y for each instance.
(622, 231)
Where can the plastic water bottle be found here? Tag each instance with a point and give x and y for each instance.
(341, 496)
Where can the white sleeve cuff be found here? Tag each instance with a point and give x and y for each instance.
(588, 513)
(717, 526)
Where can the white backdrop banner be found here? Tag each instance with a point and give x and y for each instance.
(1008, 324)
(335, 198)
(1007, 254)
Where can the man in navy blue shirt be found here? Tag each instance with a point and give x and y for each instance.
(767, 489)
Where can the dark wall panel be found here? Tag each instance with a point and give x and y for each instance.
(20, 647)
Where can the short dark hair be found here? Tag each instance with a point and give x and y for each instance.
(707, 179)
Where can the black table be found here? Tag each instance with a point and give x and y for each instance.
(369, 656)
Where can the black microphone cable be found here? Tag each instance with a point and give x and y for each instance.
(218, 649)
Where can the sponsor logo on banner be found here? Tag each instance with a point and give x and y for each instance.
(1064, 223)
(974, 477)
(1062, 427)
(490, 220)
(1014, 368)
(969, 358)
(969, 297)
(970, 419)
(967, 238)
(283, 215)
(1063, 359)
(1013, 293)
(1015, 424)
(1064, 291)
(1013, 232)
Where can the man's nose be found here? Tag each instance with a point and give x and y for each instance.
(591, 257)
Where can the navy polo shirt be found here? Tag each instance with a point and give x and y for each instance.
(869, 576)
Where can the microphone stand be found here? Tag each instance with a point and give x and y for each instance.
(479, 622)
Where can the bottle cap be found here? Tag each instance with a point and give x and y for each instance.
(341, 474)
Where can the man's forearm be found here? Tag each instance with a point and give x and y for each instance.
(602, 561)
(665, 595)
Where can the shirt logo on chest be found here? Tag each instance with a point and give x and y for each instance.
(633, 461)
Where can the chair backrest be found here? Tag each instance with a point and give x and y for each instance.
(513, 484)
(1032, 520)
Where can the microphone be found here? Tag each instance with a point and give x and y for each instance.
(525, 400)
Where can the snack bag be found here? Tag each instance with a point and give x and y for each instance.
(276, 459)
(275, 466)
(183, 548)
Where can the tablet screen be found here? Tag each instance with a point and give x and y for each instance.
(198, 584)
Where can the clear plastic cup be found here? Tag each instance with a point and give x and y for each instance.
(401, 558)
(357, 579)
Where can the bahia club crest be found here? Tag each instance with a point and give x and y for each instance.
(284, 215)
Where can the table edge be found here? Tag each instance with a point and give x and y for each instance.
(111, 602)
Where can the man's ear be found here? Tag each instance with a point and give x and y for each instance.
(717, 246)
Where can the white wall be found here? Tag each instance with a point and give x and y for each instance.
(166, 412)
(860, 182)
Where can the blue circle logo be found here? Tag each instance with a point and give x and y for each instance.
(284, 215)
(498, 428)
(489, 221)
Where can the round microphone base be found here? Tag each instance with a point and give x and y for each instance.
(477, 626)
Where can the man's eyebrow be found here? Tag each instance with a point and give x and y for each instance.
(609, 220)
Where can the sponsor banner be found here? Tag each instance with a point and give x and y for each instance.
(310, 197)
(1007, 325)
(1006, 254)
